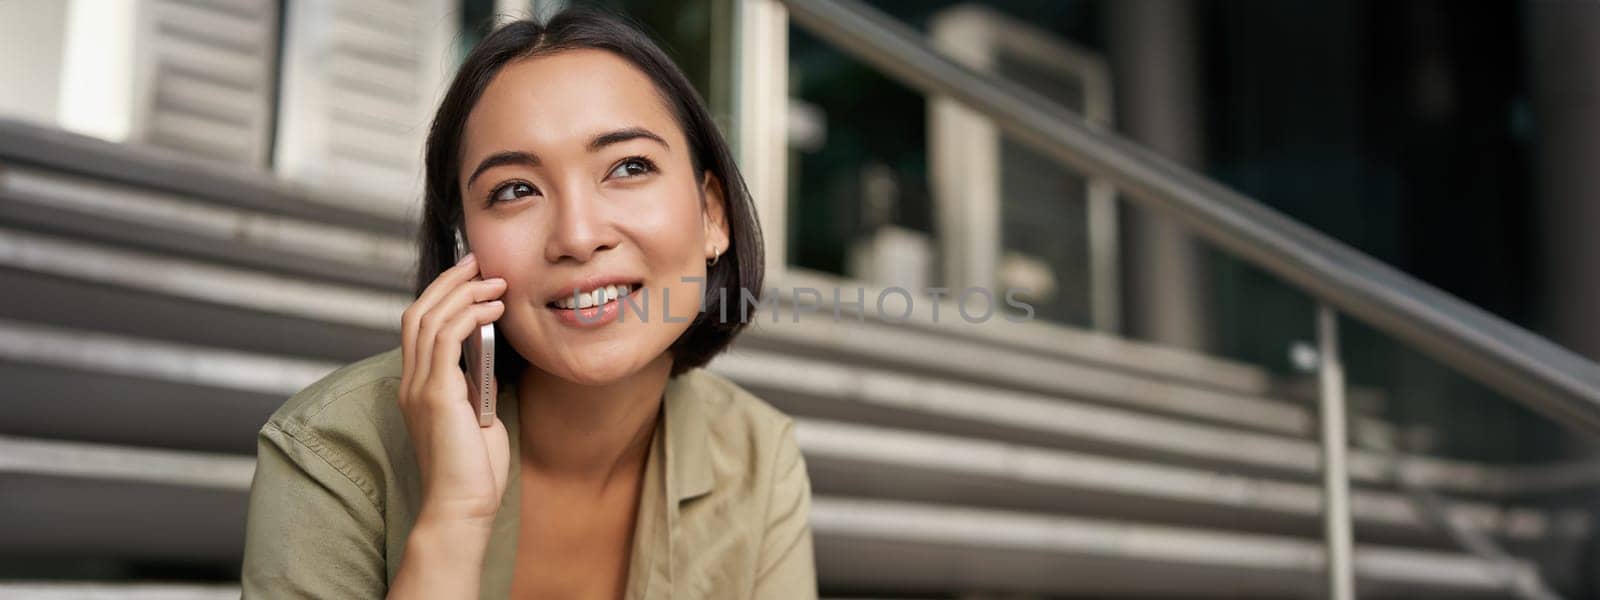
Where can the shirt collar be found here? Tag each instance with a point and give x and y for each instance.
(689, 469)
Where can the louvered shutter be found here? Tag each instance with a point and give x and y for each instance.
(361, 78)
(206, 77)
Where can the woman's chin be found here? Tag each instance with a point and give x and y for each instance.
(596, 368)
(593, 358)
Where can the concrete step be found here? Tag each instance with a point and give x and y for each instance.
(81, 208)
(189, 506)
(883, 546)
(130, 409)
(960, 353)
(75, 304)
(24, 144)
(72, 499)
(858, 460)
(842, 392)
(1035, 337)
(84, 385)
(94, 590)
(193, 280)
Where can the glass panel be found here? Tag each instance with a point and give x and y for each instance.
(872, 198)
(684, 28)
(1045, 208)
(859, 202)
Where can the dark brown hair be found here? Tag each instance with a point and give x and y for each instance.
(739, 268)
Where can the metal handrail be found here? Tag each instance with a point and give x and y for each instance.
(1528, 368)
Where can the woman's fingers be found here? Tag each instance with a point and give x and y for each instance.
(453, 301)
(411, 319)
(448, 280)
(446, 352)
(444, 309)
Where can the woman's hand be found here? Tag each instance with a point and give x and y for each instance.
(463, 465)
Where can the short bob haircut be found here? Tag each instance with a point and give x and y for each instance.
(741, 265)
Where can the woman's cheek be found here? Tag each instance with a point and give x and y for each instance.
(653, 219)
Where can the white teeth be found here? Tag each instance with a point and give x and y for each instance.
(593, 297)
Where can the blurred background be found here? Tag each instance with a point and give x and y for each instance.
(205, 205)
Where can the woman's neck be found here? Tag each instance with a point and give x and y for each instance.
(585, 434)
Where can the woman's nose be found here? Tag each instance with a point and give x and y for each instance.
(581, 226)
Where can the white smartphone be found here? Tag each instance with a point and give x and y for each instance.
(477, 359)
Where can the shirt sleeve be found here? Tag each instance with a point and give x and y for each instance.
(787, 569)
(311, 530)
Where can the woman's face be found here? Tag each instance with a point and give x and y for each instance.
(575, 174)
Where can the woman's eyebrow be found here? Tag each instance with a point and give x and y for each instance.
(623, 135)
(508, 157)
(514, 157)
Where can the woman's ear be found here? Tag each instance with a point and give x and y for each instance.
(715, 215)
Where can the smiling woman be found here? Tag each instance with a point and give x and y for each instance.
(585, 173)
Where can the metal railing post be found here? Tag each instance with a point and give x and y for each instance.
(1335, 478)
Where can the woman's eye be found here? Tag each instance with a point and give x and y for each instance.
(511, 191)
(633, 167)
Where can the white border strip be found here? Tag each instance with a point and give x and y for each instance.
(72, 590)
(887, 450)
(139, 208)
(200, 281)
(1055, 416)
(983, 528)
(138, 357)
(125, 463)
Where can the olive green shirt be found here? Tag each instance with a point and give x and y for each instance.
(723, 511)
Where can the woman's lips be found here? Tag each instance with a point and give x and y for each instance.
(592, 316)
(576, 298)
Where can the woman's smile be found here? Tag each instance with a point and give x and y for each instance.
(601, 305)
